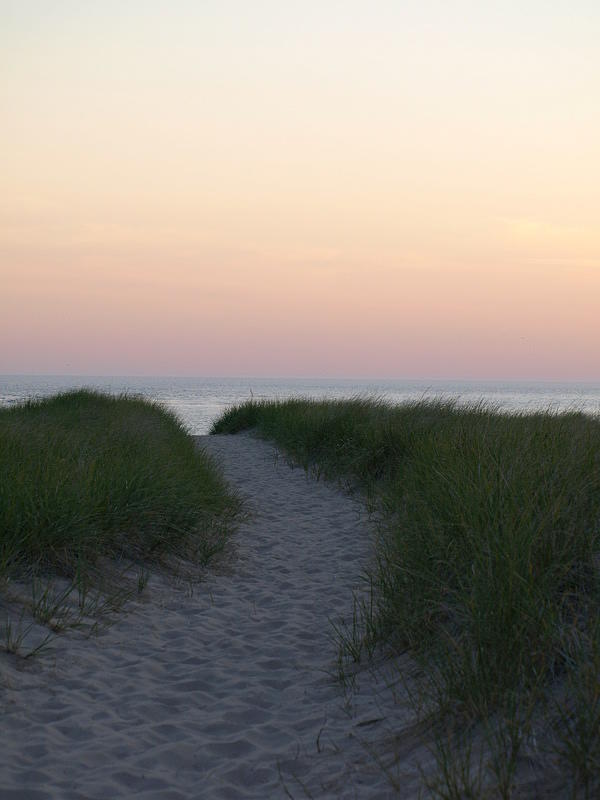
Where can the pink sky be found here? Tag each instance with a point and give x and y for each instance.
(232, 188)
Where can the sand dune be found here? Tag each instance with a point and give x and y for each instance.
(226, 692)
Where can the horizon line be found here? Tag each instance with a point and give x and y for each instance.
(188, 376)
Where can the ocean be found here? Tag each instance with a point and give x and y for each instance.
(199, 401)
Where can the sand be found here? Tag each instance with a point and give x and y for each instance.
(226, 691)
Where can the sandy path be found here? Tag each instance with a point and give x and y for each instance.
(227, 693)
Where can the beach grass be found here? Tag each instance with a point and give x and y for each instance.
(487, 566)
(85, 476)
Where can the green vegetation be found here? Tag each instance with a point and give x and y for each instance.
(85, 475)
(488, 569)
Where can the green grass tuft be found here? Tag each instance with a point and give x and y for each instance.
(489, 553)
(84, 475)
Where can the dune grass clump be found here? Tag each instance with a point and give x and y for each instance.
(489, 554)
(84, 475)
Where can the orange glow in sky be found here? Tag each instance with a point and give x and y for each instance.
(392, 189)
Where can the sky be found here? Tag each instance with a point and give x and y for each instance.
(272, 188)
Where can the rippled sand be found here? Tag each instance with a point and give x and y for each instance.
(229, 691)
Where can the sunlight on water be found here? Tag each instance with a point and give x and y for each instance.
(198, 401)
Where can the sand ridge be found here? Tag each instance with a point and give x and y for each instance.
(228, 692)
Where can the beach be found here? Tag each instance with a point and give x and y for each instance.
(227, 687)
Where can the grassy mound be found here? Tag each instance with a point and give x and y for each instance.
(489, 558)
(84, 474)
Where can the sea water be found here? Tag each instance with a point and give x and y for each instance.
(199, 401)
